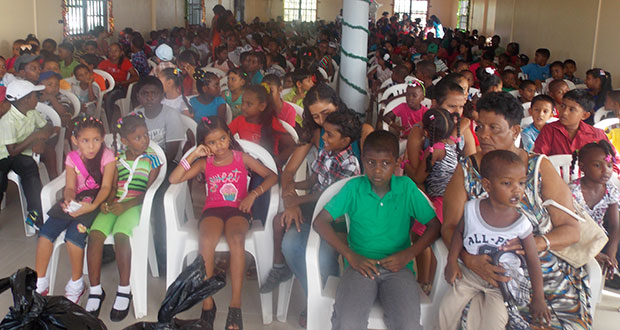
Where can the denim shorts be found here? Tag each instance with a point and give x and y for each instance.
(76, 232)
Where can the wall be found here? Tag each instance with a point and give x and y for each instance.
(41, 17)
(566, 27)
(445, 10)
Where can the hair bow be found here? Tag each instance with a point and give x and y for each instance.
(608, 158)
(206, 120)
(489, 70)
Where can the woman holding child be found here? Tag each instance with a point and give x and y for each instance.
(566, 288)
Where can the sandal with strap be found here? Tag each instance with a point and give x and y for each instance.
(117, 315)
(209, 315)
(234, 318)
(101, 297)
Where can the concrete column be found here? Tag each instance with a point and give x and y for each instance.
(354, 41)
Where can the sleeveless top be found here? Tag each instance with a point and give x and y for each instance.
(226, 185)
(441, 173)
(235, 105)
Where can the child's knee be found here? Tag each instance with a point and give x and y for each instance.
(121, 239)
(236, 240)
(77, 234)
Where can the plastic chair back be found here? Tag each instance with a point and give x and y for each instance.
(75, 102)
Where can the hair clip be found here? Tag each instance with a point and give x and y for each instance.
(608, 158)
(386, 56)
(199, 74)
(489, 70)
(431, 117)
(431, 149)
(177, 71)
(245, 74)
(206, 120)
(266, 86)
(602, 72)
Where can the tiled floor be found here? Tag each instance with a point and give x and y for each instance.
(18, 251)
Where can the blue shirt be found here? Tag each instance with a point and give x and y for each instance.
(536, 72)
(257, 79)
(205, 110)
(528, 137)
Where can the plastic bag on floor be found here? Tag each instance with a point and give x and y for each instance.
(187, 290)
(32, 311)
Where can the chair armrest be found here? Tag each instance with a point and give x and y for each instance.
(49, 192)
(439, 283)
(175, 200)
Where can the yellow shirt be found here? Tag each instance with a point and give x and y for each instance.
(614, 137)
(15, 127)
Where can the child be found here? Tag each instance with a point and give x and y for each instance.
(399, 73)
(5, 105)
(487, 224)
(302, 80)
(259, 124)
(90, 171)
(425, 71)
(10, 64)
(138, 57)
(208, 102)
(509, 80)
(557, 73)
(86, 89)
(5, 77)
(540, 111)
(527, 91)
(284, 111)
(335, 162)
(273, 67)
(23, 130)
(570, 67)
(163, 122)
(598, 82)
(557, 89)
(52, 64)
(27, 67)
(222, 62)
(570, 132)
(237, 82)
(92, 62)
(227, 204)
(539, 70)
(136, 168)
(67, 62)
(407, 114)
(379, 252)
(90, 47)
(188, 62)
(598, 196)
(164, 56)
(287, 81)
(250, 63)
(383, 71)
(489, 80)
(172, 80)
(51, 96)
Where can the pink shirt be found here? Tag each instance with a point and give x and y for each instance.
(84, 181)
(287, 113)
(408, 116)
(226, 185)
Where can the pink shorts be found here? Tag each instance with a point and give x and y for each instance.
(419, 228)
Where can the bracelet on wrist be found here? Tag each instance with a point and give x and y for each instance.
(185, 164)
(547, 243)
(255, 193)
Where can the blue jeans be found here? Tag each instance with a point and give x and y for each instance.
(76, 232)
(294, 250)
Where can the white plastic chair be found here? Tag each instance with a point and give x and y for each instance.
(142, 248)
(124, 104)
(50, 113)
(390, 107)
(427, 102)
(219, 73)
(111, 84)
(395, 90)
(289, 66)
(561, 163)
(606, 123)
(526, 108)
(75, 102)
(290, 130)
(321, 299)
(323, 73)
(600, 114)
(189, 124)
(285, 91)
(581, 86)
(385, 83)
(298, 110)
(181, 229)
(514, 93)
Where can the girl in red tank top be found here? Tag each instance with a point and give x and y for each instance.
(227, 205)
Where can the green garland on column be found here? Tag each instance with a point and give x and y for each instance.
(359, 89)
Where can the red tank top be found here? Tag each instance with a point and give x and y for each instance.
(226, 185)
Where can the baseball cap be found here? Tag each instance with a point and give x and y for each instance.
(21, 88)
(25, 59)
(164, 52)
(48, 74)
(432, 48)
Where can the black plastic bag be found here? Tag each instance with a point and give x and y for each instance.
(32, 311)
(187, 290)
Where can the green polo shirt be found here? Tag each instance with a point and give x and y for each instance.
(379, 227)
(67, 71)
(15, 127)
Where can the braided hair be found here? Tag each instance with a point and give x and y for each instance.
(439, 124)
(203, 78)
(128, 125)
(267, 116)
(92, 165)
(583, 153)
(176, 75)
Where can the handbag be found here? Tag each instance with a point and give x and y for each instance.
(592, 237)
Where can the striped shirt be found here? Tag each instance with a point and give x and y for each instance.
(15, 127)
(133, 175)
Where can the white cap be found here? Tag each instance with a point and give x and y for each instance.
(164, 52)
(21, 88)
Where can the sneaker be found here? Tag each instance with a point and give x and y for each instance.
(74, 294)
(34, 220)
(45, 292)
(276, 276)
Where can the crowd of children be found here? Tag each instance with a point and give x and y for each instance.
(238, 80)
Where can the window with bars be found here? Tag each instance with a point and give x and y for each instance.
(300, 10)
(194, 12)
(414, 8)
(462, 15)
(83, 15)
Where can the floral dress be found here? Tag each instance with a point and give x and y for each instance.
(612, 196)
(567, 290)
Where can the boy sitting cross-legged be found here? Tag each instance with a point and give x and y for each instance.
(335, 161)
(379, 252)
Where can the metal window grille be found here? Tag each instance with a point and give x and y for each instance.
(84, 15)
(194, 12)
(414, 8)
(300, 10)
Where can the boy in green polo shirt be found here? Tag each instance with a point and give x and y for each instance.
(23, 131)
(381, 207)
